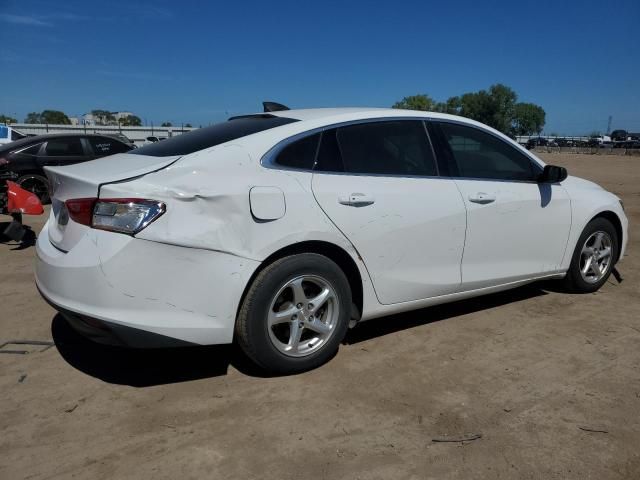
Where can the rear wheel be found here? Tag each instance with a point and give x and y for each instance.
(36, 184)
(295, 314)
(593, 258)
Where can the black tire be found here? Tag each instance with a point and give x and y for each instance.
(574, 282)
(36, 184)
(252, 330)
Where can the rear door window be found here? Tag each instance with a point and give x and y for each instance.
(299, 154)
(64, 147)
(399, 147)
(103, 146)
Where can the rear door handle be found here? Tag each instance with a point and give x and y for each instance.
(356, 200)
(482, 198)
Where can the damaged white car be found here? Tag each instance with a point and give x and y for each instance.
(282, 229)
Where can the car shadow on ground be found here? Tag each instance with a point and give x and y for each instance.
(149, 367)
(28, 240)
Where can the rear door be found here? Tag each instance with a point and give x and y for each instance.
(378, 183)
(516, 227)
(62, 151)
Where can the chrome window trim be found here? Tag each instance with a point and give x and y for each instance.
(268, 159)
(27, 148)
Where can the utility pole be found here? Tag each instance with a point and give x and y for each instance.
(609, 125)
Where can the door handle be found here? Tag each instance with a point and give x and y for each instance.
(482, 198)
(356, 200)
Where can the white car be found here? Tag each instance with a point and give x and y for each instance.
(283, 229)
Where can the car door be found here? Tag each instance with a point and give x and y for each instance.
(378, 183)
(62, 151)
(517, 228)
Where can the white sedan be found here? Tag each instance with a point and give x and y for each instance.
(283, 229)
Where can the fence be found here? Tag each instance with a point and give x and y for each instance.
(589, 150)
(135, 134)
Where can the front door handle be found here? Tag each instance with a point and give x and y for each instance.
(356, 200)
(482, 198)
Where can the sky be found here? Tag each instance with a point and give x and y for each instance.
(199, 62)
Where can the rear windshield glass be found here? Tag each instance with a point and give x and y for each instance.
(211, 136)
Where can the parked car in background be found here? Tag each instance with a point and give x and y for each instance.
(9, 134)
(282, 229)
(537, 142)
(619, 135)
(25, 158)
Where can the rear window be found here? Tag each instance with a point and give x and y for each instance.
(211, 136)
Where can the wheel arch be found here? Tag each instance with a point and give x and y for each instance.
(330, 250)
(617, 224)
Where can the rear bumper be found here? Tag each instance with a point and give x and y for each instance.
(121, 290)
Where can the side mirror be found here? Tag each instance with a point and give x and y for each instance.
(553, 174)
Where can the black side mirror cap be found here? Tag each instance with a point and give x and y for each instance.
(553, 174)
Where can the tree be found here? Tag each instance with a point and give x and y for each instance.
(188, 125)
(103, 117)
(166, 124)
(528, 119)
(131, 121)
(55, 116)
(495, 107)
(7, 120)
(33, 117)
(416, 102)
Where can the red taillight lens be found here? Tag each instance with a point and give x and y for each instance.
(81, 210)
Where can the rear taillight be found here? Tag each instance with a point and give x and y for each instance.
(81, 209)
(121, 215)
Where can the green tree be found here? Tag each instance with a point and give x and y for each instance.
(131, 121)
(528, 119)
(104, 117)
(495, 107)
(416, 102)
(55, 117)
(33, 117)
(8, 120)
(166, 124)
(188, 125)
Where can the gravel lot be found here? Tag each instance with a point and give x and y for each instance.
(531, 370)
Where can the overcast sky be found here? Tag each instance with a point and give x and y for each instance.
(199, 62)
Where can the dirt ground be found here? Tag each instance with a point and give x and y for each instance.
(531, 370)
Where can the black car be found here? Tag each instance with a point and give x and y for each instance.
(26, 158)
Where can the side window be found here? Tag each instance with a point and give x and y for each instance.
(64, 147)
(299, 154)
(32, 150)
(329, 156)
(478, 154)
(103, 146)
(398, 147)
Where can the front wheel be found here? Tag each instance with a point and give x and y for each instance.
(593, 258)
(295, 314)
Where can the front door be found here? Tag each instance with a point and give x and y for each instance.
(517, 228)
